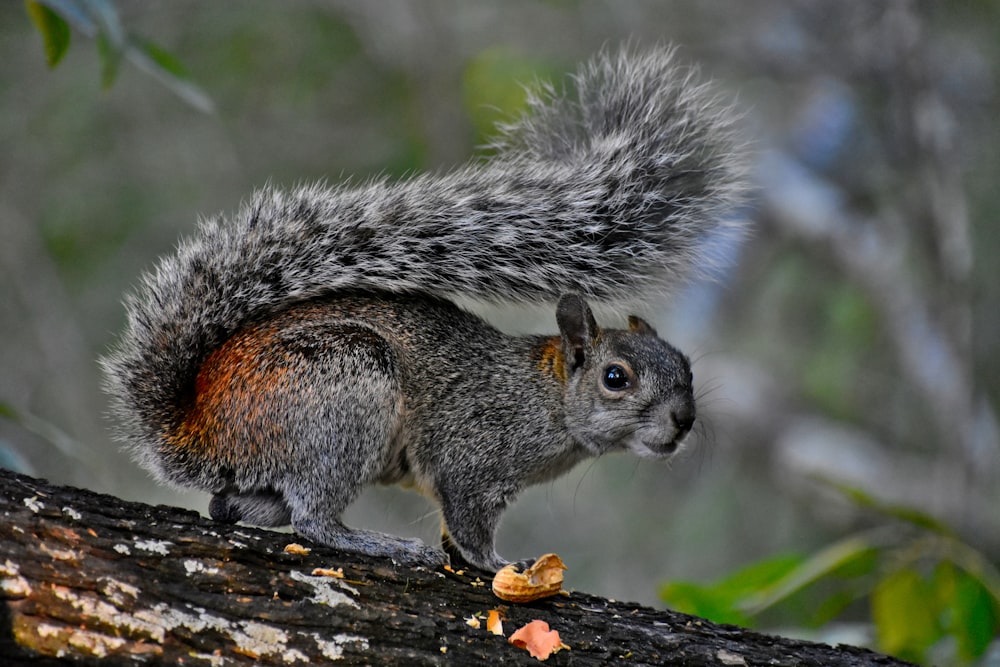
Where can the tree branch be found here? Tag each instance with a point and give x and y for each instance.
(87, 577)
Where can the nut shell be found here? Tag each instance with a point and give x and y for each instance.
(543, 579)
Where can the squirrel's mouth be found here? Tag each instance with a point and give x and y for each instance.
(657, 440)
(649, 441)
(657, 449)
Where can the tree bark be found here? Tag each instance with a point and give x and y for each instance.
(87, 578)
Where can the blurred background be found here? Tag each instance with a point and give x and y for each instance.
(852, 339)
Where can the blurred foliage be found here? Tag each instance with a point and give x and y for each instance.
(930, 596)
(99, 19)
(61, 442)
(846, 323)
(54, 30)
(495, 84)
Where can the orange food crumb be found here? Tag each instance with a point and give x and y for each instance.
(296, 548)
(493, 622)
(325, 572)
(538, 640)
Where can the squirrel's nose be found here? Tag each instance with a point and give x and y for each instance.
(683, 418)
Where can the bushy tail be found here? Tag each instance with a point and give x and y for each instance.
(607, 191)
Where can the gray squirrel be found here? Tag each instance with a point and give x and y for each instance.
(289, 356)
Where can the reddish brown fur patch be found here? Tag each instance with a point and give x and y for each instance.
(229, 419)
(551, 359)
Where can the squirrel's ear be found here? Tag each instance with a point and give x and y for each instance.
(577, 326)
(640, 326)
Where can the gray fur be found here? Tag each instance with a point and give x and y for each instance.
(607, 193)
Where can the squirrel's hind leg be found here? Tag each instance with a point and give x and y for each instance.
(318, 498)
(315, 515)
(346, 425)
(260, 508)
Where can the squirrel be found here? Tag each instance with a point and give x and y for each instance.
(288, 356)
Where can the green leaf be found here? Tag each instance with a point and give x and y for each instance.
(854, 556)
(704, 601)
(723, 601)
(906, 615)
(755, 576)
(111, 58)
(977, 566)
(54, 30)
(973, 619)
(167, 61)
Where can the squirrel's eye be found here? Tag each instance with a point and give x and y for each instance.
(616, 378)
